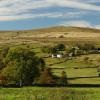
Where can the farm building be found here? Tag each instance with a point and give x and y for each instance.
(57, 55)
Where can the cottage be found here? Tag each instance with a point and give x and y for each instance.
(53, 56)
(57, 55)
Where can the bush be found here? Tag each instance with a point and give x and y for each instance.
(63, 79)
(46, 77)
(42, 62)
(60, 47)
(53, 50)
(61, 36)
(4, 51)
(2, 80)
(45, 49)
(86, 59)
(86, 46)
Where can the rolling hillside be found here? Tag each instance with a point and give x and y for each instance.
(54, 31)
(76, 33)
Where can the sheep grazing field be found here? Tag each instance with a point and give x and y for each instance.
(78, 62)
(48, 93)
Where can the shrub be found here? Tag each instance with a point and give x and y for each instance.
(46, 77)
(45, 49)
(3, 80)
(60, 47)
(63, 79)
(42, 62)
(86, 46)
(61, 36)
(86, 59)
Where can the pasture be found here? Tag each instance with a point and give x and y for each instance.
(78, 70)
(46, 93)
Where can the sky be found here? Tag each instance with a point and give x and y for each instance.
(31, 14)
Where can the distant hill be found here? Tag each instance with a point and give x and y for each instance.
(67, 29)
(56, 31)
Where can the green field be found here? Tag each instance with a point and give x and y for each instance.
(78, 71)
(43, 93)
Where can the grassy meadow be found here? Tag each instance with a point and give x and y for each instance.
(79, 71)
(46, 93)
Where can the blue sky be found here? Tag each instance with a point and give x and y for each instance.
(31, 14)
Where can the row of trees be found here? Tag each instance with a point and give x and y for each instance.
(78, 49)
(20, 66)
(54, 49)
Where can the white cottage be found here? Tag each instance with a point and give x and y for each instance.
(57, 55)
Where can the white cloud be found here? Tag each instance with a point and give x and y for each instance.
(97, 26)
(77, 23)
(75, 14)
(75, 4)
(18, 9)
(62, 15)
(25, 16)
(92, 1)
(88, 1)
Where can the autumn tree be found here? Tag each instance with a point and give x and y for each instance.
(46, 77)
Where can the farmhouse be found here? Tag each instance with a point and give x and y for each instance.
(57, 55)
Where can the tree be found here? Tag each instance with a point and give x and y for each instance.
(63, 79)
(42, 62)
(1, 64)
(86, 46)
(45, 49)
(60, 47)
(22, 66)
(46, 77)
(57, 48)
(72, 51)
(4, 51)
(53, 50)
(2, 80)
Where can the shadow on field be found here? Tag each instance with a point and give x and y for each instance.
(73, 78)
(84, 85)
(59, 85)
